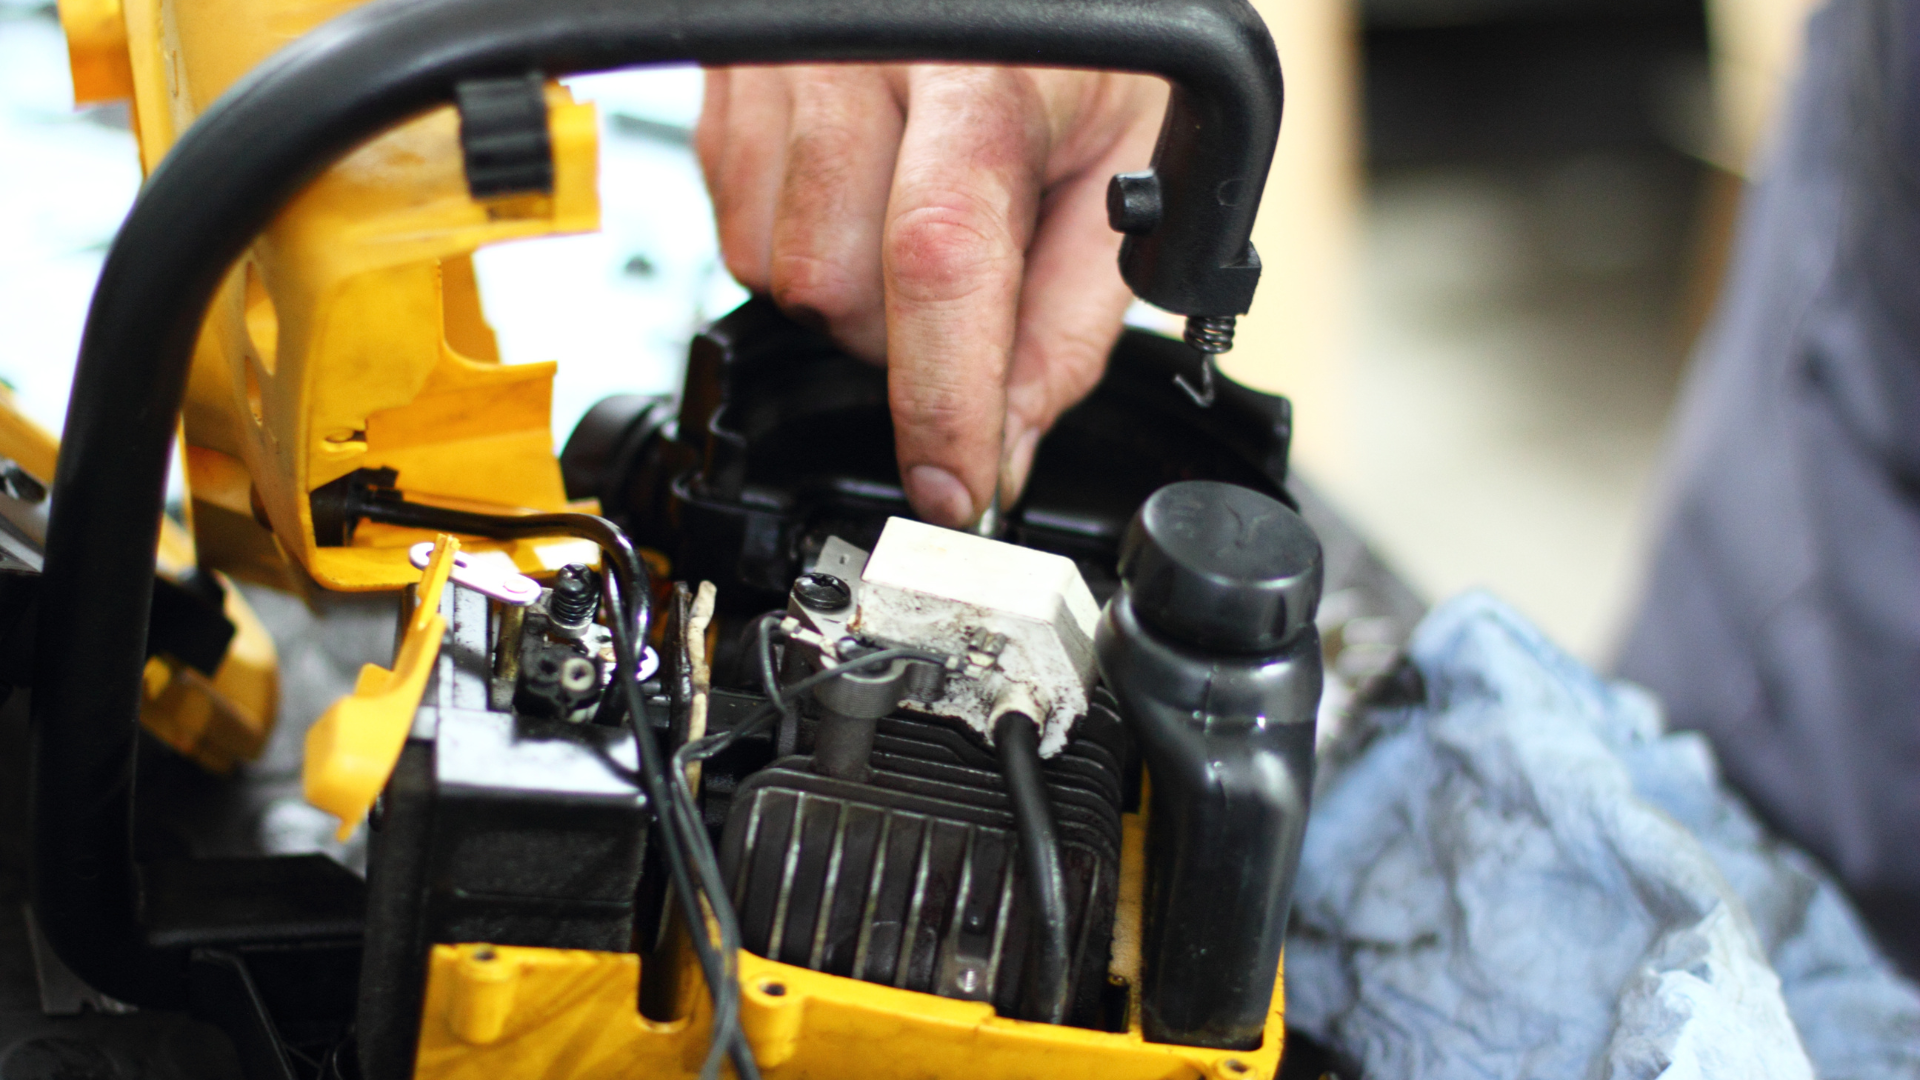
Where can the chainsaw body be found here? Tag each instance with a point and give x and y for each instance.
(1041, 838)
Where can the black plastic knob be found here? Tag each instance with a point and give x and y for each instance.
(1133, 202)
(1221, 567)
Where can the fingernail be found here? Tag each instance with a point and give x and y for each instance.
(939, 496)
(1019, 462)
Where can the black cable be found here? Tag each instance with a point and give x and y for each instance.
(1018, 742)
(684, 819)
(788, 738)
(695, 873)
(689, 853)
(778, 704)
(391, 508)
(687, 813)
(763, 628)
(702, 749)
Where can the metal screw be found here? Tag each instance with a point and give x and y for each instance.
(822, 592)
(968, 980)
(576, 596)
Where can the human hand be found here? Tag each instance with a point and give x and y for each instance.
(949, 222)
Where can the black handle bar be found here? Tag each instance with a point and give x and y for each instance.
(376, 66)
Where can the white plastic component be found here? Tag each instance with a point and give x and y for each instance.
(1023, 619)
(483, 575)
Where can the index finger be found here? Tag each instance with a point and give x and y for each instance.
(965, 194)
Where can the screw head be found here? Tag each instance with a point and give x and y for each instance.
(822, 592)
(574, 596)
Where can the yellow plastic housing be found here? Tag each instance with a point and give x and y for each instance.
(351, 335)
(352, 749)
(220, 721)
(495, 1011)
(97, 50)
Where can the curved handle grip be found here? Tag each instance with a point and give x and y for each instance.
(1189, 221)
(346, 81)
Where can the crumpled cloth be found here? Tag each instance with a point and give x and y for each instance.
(1525, 875)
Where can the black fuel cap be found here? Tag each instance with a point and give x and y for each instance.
(1219, 566)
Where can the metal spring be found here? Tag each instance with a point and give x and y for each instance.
(575, 597)
(1211, 334)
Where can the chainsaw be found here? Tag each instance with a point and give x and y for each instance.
(697, 750)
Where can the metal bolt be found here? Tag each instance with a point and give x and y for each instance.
(822, 592)
(968, 980)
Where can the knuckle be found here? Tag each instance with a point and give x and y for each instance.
(948, 250)
(744, 260)
(810, 282)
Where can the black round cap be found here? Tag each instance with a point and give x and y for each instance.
(1219, 566)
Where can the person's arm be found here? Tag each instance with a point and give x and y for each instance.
(947, 221)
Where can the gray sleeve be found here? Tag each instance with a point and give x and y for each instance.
(1782, 610)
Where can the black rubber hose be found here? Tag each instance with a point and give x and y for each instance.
(330, 90)
(1017, 739)
(696, 876)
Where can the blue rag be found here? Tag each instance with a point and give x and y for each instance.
(1526, 875)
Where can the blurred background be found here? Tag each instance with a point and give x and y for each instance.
(1493, 231)
(1483, 323)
